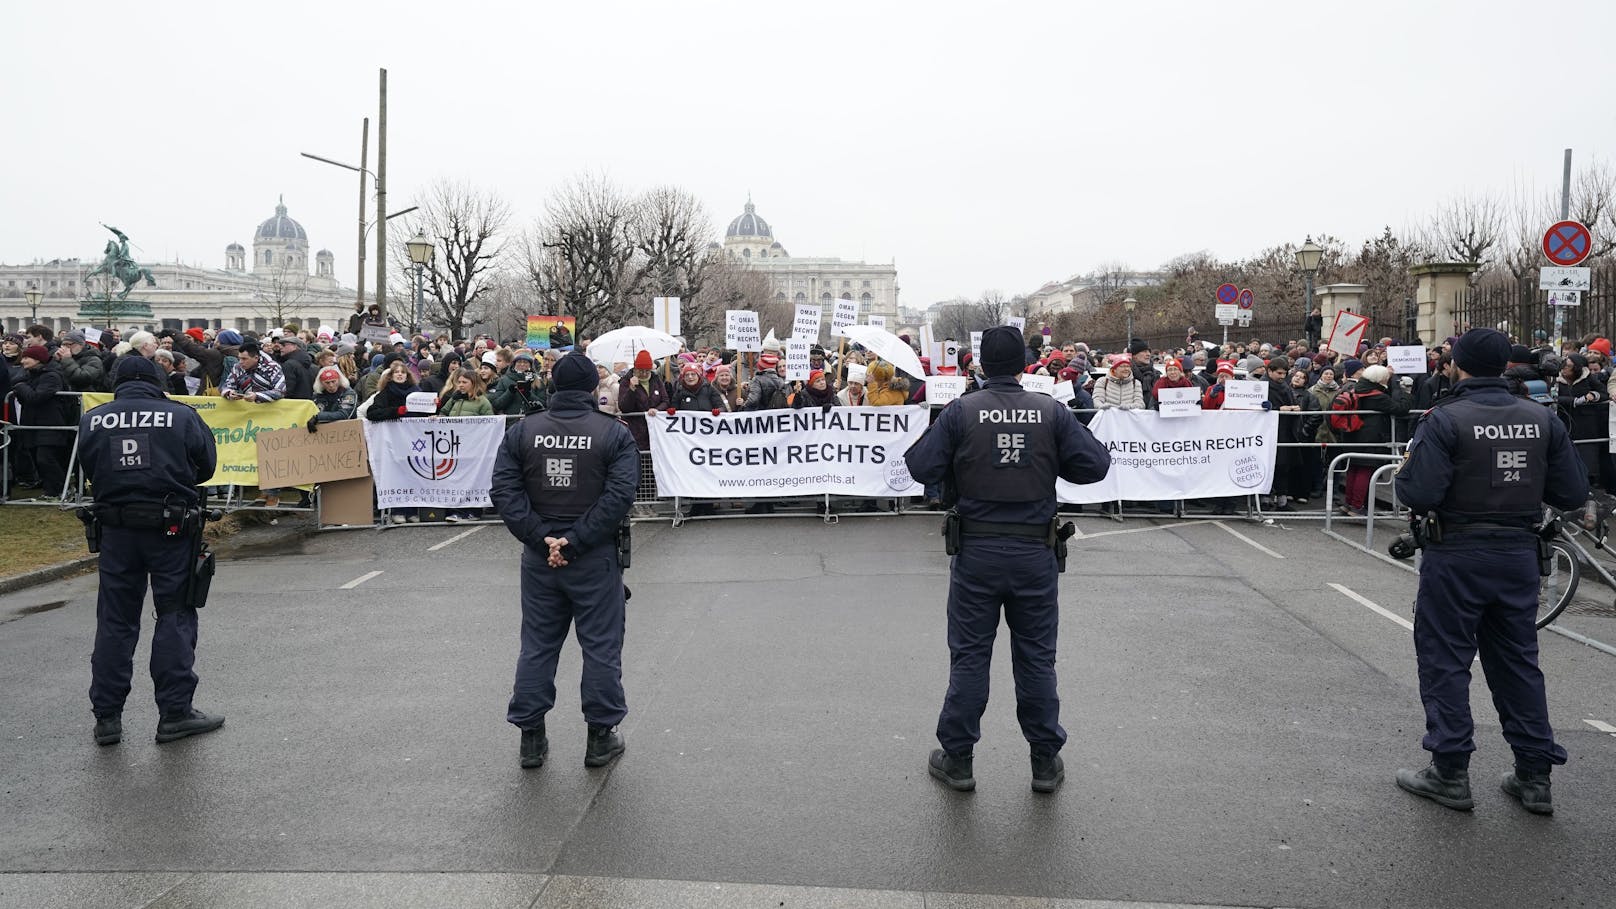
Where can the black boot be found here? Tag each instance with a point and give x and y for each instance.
(109, 729)
(535, 747)
(1048, 771)
(605, 744)
(953, 771)
(174, 726)
(1532, 788)
(1449, 788)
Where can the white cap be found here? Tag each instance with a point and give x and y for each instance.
(490, 359)
(395, 338)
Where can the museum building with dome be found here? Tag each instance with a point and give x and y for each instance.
(750, 240)
(276, 286)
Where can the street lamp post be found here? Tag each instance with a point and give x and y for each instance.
(420, 248)
(1307, 259)
(32, 295)
(1128, 306)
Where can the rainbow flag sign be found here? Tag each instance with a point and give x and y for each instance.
(551, 332)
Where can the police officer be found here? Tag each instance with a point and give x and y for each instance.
(564, 480)
(1003, 448)
(1481, 464)
(145, 457)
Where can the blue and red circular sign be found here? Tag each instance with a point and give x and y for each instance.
(1567, 243)
(1228, 293)
(1247, 298)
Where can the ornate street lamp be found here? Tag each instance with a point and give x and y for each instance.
(1307, 259)
(420, 253)
(1128, 306)
(32, 295)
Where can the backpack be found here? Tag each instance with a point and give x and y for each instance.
(781, 399)
(1348, 400)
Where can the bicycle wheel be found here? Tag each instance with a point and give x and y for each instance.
(1555, 593)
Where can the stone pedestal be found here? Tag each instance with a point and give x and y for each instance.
(1442, 286)
(1332, 298)
(110, 312)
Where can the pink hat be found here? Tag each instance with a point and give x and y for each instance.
(330, 373)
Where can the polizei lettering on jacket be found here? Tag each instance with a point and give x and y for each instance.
(1010, 415)
(564, 443)
(131, 419)
(1508, 431)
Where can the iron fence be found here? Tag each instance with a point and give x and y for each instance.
(1518, 308)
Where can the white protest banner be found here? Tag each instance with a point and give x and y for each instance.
(1180, 402)
(852, 451)
(1348, 330)
(878, 322)
(942, 389)
(1407, 359)
(421, 402)
(950, 353)
(976, 346)
(1063, 392)
(857, 372)
(1212, 453)
(1044, 385)
(741, 331)
(665, 315)
(806, 323)
(377, 332)
(797, 367)
(1018, 323)
(845, 314)
(441, 461)
(92, 335)
(193, 385)
(1243, 395)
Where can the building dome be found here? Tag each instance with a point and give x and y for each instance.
(281, 227)
(749, 224)
(235, 248)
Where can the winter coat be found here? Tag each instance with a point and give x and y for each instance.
(84, 371)
(512, 396)
(456, 404)
(390, 400)
(702, 397)
(41, 406)
(211, 358)
(761, 392)
(1128, 395)
(339, 405)
(1376, 432)
(1164, 382)
(1322, 399)
(298, 368)
(606, 395)
(634, 402)
(882, 390)
(807, 397)
(1586, 419)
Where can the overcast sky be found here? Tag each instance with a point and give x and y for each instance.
(977, 146)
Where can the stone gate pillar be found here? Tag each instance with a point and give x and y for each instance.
(1442, 286)
(1332, 298)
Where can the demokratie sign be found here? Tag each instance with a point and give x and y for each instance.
(1215, 453)
(850, 451)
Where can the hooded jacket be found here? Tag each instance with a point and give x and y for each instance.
(881, 389)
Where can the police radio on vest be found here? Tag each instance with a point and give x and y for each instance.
(1509, 431)
(131, 419)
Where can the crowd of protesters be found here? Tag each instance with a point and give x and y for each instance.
(345, 377)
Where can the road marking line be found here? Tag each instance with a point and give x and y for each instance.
(1240, 536)
(1372, 605)
(1602, 727)
(1109, 533)
(455, 539)
(359, 580)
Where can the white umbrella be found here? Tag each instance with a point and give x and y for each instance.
(621, 344)
(884, 344)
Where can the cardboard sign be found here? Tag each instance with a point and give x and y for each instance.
(297, 457)
(1407, 360)
(950, 353)
(806, 323)
(1184, 402)
(347, 502)
(857, 372)
(878, 322)
(1063, 392)
(845, 314)
(1044, 385)
(797, 367)
(421, 402)
(976, 347)
(1243, 395)
(377, 332)
(1348, 330)
(665, 315)
(741, 331)
(942, 389)
(1018, 323)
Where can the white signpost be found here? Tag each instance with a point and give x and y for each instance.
(845, 314)
(806, 324)
(741, 331)
(797, 367)
(1565, 298)
(1225, 312)
(976, 346)
(1560, 278)
(665, 315)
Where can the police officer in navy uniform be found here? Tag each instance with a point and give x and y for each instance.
(1481, 464)
(1003, 448)
(564, 480)
(145, 456)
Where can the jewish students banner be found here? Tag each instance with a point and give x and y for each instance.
(1214, 453)
(847, 451)
(434, 461)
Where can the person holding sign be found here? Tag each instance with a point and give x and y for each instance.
(997, 453)
(1172, 377)
(1118, 388)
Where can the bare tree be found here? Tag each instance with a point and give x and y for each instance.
(1109, 280)
(581, 257)
(732, 285)
(672, 234)
(1466, 229)
(279, 297)
(465, 225)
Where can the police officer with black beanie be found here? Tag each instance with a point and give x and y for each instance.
(564, 480)
(1482, 463)
(1002, 448)
(145, 456)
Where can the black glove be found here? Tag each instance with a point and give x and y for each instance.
(314, 423)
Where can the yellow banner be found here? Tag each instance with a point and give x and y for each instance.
(235, 426)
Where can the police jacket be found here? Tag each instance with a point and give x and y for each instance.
(1485, 456)
(41, 406)
(569, 471)
(1014, 482)
(142, 447)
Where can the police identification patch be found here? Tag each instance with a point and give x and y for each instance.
(558, 472)
(1012, 449)
(1511, 467)
(131, 452)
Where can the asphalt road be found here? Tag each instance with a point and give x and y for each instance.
(1235, 724)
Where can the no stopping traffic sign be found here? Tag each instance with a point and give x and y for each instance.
(1567, 243)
